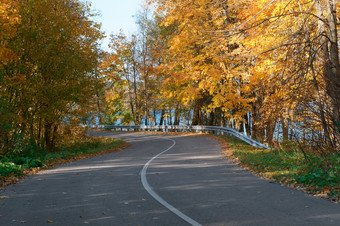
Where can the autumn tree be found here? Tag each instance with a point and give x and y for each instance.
(120, 72)
(56, 49)
(268, 68)
(293, 43)
(133, 84)
(199, 60)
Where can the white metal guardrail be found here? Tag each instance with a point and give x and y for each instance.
(196, 129)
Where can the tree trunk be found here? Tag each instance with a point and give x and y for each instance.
(257, 130)
(270, 128)
(100, 119)
(162, 118)
(333, 75)
(170, 116)
(211, 118)
(291, 130)
(196, 116)
(247, 124)
(48, 136)
(285, 129)
(241, 127)
(177, 116)
(331, 70)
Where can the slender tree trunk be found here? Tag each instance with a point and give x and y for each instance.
(184, 117)
(39, 132)
(257, 134)
(247, 124)
(177, 116)
(241, 127)
(53, 137)
(333, 75)
(291, 129)
(211, 118)
(325, 127)
(146, 101)
(137, 111)
(170, 118)
(100, 119)
(47, 136)
(285, 129)
(196, 116)
(331, 70)
(162, 118)
(270, 128)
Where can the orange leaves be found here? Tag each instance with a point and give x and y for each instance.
(197, 62)
(203, 61)
(8, 20)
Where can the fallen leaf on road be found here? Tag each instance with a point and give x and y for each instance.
(49, 221)
(6, 197)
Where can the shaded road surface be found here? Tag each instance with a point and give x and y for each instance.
(193, 177)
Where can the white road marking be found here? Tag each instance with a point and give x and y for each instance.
(157, 197)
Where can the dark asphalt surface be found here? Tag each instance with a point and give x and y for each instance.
(193, 177)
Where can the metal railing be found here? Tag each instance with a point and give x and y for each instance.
(196, 129)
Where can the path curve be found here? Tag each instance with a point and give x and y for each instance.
(149, 189)
(194, 177)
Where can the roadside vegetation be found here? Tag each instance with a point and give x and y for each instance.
(32, 159)
(309, 172)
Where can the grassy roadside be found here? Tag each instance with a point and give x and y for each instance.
(12, 168)
(315, 175)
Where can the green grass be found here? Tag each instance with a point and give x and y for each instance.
(315, 174)
(16, 164)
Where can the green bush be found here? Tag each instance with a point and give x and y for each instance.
(319, 172)
(32, 156)
(10, 168)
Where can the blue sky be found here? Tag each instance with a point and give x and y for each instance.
(116, 15)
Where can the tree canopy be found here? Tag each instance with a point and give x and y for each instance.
(49, 50)
(268, 68)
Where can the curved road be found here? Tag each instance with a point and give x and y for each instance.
(192, 177)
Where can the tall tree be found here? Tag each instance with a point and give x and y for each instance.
(56, 44)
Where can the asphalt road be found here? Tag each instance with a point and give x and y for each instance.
(192, 177)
